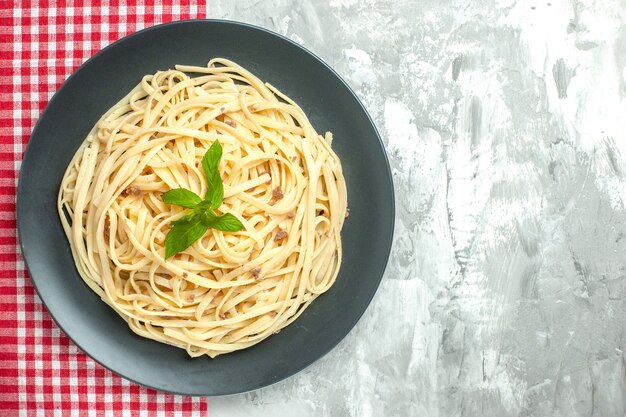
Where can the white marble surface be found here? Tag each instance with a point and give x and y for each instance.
(505, 126)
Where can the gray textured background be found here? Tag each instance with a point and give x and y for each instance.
(505, 126)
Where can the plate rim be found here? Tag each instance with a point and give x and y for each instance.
(392, 218)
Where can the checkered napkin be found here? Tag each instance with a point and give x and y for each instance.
(41, 371)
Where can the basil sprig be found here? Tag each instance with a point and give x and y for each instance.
(194, 225)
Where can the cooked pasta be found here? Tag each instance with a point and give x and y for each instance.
(228, 290)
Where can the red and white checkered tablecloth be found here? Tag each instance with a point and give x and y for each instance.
(41, 371)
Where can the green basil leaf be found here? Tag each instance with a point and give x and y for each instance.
(226, 222)
(203, 206)
(194, 225)
(215, 187)
(181, 236)
(207, 217)
(182, 197)
(186, 218)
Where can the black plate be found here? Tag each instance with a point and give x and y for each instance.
(330, 105)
